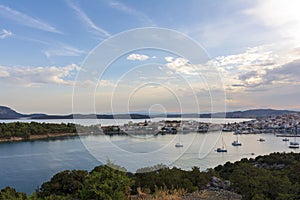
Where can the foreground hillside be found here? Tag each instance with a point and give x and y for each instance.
(275, 176)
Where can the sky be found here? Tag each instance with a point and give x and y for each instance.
(252, 51)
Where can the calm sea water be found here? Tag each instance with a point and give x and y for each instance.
(26, 165)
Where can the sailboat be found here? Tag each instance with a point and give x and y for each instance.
(295, 144)
(222, 150)
(236, 142)
(179, 144)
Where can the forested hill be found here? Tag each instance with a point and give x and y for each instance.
(8, 113)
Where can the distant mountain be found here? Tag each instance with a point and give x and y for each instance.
(8, 113)
(253, 113)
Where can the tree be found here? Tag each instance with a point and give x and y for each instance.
(9, 193)
(64, 183)
(105, 183)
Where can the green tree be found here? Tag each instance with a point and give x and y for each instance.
(9, 193)
(106, 183)
(64, 183)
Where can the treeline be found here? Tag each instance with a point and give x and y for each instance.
(275, 176)
(25, 130)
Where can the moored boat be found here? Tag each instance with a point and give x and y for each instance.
(178, 144)
(294, 145)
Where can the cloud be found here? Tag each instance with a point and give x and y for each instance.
(286, 74)
(259, 67)
(260, 55)
(181, 66)
(26, 20)
(280, 15)
(84, 18)
(63, 50)
(131, 11)
(3, 72)
(30, 76)
(140, 57)
(5, 33)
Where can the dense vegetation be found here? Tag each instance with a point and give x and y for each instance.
(25, 130)
(276, 176)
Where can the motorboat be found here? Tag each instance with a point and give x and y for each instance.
(178, 144)
(221, 150)
(294, 145)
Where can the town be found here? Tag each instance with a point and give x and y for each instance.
(284, 125)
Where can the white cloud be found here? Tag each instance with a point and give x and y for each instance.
(30, 76)
(83, 16)
(26, 20)
(131, 11)
(3, 72)
(259, 66)
(63, 50)
(282, 16)
(5, 33)
(181, 66)
(140, 57)
(169, 59)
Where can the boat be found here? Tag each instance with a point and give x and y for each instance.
(261, 140)
(285, 139)
(202, 129)
(225, 129)
(222, 150)
(294, 145)
(178, 144)
(236, 142)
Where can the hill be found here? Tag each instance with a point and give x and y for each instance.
(8, 113)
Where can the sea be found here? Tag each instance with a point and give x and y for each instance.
(26, 165)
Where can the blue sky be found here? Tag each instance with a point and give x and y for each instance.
(255, 46)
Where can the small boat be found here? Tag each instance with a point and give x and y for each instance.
(252, 154)
(261, 140)
(202, 129)
(236, 142)
(178, 144)
(225, 129)
(294, 145)
(221, 150)
(285, 139)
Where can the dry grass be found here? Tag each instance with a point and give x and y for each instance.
(160, 194)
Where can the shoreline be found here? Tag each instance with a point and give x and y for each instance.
(39, 137)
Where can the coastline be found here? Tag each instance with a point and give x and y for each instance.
(39, 137)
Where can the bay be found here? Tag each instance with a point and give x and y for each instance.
(26, 165)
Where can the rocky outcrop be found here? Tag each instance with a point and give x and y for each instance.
(217, 183)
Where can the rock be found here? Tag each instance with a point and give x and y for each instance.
(217, 183)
